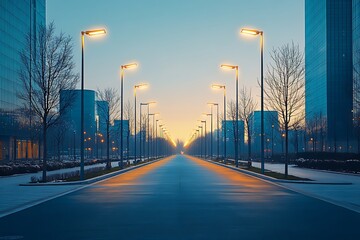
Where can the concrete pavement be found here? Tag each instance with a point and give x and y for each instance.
(347, 196)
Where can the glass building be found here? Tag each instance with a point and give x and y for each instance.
(71, 118)
(329, 67)
(356, 61)
(17, 20)
(230, 137)
(271, 132)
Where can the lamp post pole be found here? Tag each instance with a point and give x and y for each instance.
(217, 126)
(217, 86)
(261, 34)
(135, 137)
(236, 68)
(156, 139)
(83, 33)
(141, 104)
(201, 142)
(122, 69)
(205, 148)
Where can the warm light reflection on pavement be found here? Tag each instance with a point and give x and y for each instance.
(240, 186)
(124, 185)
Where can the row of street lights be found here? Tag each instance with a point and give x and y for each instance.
(218, 86)
(97, 32)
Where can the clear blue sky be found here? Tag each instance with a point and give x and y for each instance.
(179, 45)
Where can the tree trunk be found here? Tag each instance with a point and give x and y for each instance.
(286, 149)
(249, 146)
(108, 162)
(44, 152)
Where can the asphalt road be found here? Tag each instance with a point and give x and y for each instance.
(182, 198)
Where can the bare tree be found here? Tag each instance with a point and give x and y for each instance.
(285, 87)
(45, 72)
(108, 111)
(247, 107)
(59, 133)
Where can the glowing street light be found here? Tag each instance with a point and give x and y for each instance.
(211, 131)
(217, 126)
(218, 86)
(205, 148)
(122, 69)
(90, 33)
(256, 32)
(236, 68)
(148, 110)
(138, 86)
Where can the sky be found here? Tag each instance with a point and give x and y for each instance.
(179, 46)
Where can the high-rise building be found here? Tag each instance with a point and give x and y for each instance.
(329, 67)
(18, 19)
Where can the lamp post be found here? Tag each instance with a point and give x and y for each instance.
(156, 138)
(205, 147)
(148, 105)
(217, 126)
(261, 34)
(89, 33)
(122, 69)
(201, 142)
(217, 86)
(152, 134)
(236, 68)
(211, 131)
(139, 86)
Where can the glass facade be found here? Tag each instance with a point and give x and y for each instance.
(356, 59)
(329, 66)
(72, 119)
(271, 131)
(17, 19)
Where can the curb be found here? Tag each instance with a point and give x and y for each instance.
(91, 180)
(271, 179)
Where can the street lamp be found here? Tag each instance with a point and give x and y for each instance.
(256, 32)
(156, 138)
(217, 86)
(236, 68)
(122, 69)
(139, 86)
(211, 131)
(90, 33)
(148, 105)
(152, 134)
(217, 126)
(205, 148)
(201, 141)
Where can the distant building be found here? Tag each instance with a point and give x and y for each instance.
(18, 18)
(230, 136)
(72, 119)
(102, 110)
(116, 135)
(329, 66)
(271, 132)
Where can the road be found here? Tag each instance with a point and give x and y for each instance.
(182, 198)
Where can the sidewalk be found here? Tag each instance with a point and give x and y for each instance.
(347, 196)
(15, 197)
